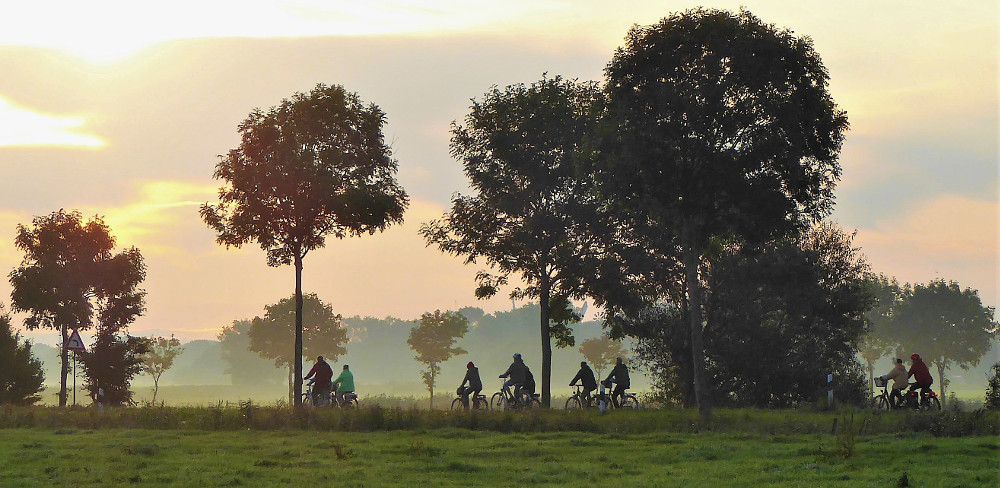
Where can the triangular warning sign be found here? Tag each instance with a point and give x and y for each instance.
(75, 343)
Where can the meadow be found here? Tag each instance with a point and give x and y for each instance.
(374, 446)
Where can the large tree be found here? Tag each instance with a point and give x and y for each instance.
(433, 339)
(160, 358)
(722, 126)
(780, 317)
(945, 324)
(70, 270)
(602, 352)
(878, 340)
(244, 366)
(313, 166)
(534, 212)
(323, 332)
(21, 374)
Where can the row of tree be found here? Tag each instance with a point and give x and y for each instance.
(946, 324)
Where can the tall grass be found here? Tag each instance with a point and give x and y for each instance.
(249, 416)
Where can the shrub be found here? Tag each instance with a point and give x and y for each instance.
(992, 401)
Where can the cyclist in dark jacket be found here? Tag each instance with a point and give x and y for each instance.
(516, 373)
(618, 376)
(922, 378)
(586, 377)
(321, 385)
(475, 384)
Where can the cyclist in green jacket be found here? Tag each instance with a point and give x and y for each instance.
(344, 384)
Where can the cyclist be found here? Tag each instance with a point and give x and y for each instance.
(344, 384)
(517, 374)
(898, 377)
(586, 377)
(321, 385)
(475, 384)
(618, 376)
(921, 376)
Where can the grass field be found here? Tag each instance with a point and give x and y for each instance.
(458, 457)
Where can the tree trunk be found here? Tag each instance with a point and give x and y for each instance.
(871, 379)
(156, 387)
(940, 367)
(298, 329)
(291, 386)
(546, 342)
(64, 368)
(691, 261)
(431, 386)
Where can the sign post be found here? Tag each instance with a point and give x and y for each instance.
(829, 390)
(75, 344)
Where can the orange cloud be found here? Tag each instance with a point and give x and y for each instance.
(950, 237)
(22, 127)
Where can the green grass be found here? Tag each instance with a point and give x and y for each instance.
(459, 457)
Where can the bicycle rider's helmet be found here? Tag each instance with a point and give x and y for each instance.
(914, 356)
(470, 365)
(517, 355)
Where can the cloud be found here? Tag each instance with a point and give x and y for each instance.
(950, 237)
(21, 127)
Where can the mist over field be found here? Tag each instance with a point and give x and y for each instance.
(378, 355)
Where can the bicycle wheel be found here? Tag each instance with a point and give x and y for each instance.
(573, 403)
(630, 402)
(932, 404)
(498, 403)
(306, 400)
(457, 404)
(534, 403)
(481, 403)
(881, 403)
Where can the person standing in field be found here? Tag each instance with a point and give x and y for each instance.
(321, 385)
(344, 384)
(475, 384)
(898, 377)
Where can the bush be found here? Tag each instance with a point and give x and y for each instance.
(992, 401)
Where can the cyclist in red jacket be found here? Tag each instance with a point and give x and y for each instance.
(321, 386)
(922, 378)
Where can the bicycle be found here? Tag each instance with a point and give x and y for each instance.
(928, 400)
(628, 401)
(478, 403)
(577, 400)
(501, 400)
(883, 401)
(350, 400)
(307, 396)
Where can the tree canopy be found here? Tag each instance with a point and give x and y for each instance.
(21, 374)
(69, 271)
(534, 212)
(313, 166)
(722, 127)
(324, 332)
(434, 342)
(945, 324)
(159, 359)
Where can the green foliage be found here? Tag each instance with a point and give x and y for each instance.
(160, 358)
(434, 339)
(323, 332)
(780, 318)
(315, 165)
(21, 373)
(70, 271)
(244, 367)
(992, 401)
(723, 129)
(601, 352)
(534, 212)
(110, 364)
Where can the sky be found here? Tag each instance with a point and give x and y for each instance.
(120, 108)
